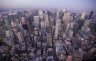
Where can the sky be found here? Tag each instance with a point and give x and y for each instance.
(72, 4)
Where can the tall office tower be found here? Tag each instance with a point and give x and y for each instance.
(40, 12)
(72, 25)
(24, 23)
(8, 33)
(94, 16)
(68, 27)
(93, 27)
(83, 16)
(56, 31)
(13, 24)
(86, 23)
(58, 22)
(57, 28)
(52, 21)
(36, 32)
(29, 22)
(66, 19)
(57, 14)
(20, 26)
(10, 16)
(91, 14)
(6, 21)
(20, 36)
(67, 16)
(46, 21)
(9, 37)
(17, 21)
(42, 25)
(36, 21)
(80, 24)
(49, 39)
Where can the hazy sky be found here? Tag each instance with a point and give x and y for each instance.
(74, 4)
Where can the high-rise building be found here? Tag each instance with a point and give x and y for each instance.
(40, 12)
(20, 37)
(83, 15)
(57, 28)
(13, 24)
(91, 14)
(58, 22)
(57, 14)
(68, 27)
(6, 21)
(66, 19)
(8, 33)
(23, 20)
(42, 24)
(67, 16)
(20, 27)
(36, 21)
(9, 37)
(49, 39)
(86, 23)
(56, 32)
(24, 23)
(46, 21)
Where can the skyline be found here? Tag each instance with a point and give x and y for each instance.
(70, 4)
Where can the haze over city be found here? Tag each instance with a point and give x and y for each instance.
(72, 4)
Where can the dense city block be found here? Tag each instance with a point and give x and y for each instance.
(47, 35)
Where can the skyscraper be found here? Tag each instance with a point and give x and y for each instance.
(57, 28)
(66, 19)
(46, 21)
(36, 21)
(83, 15)
(24, 23)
